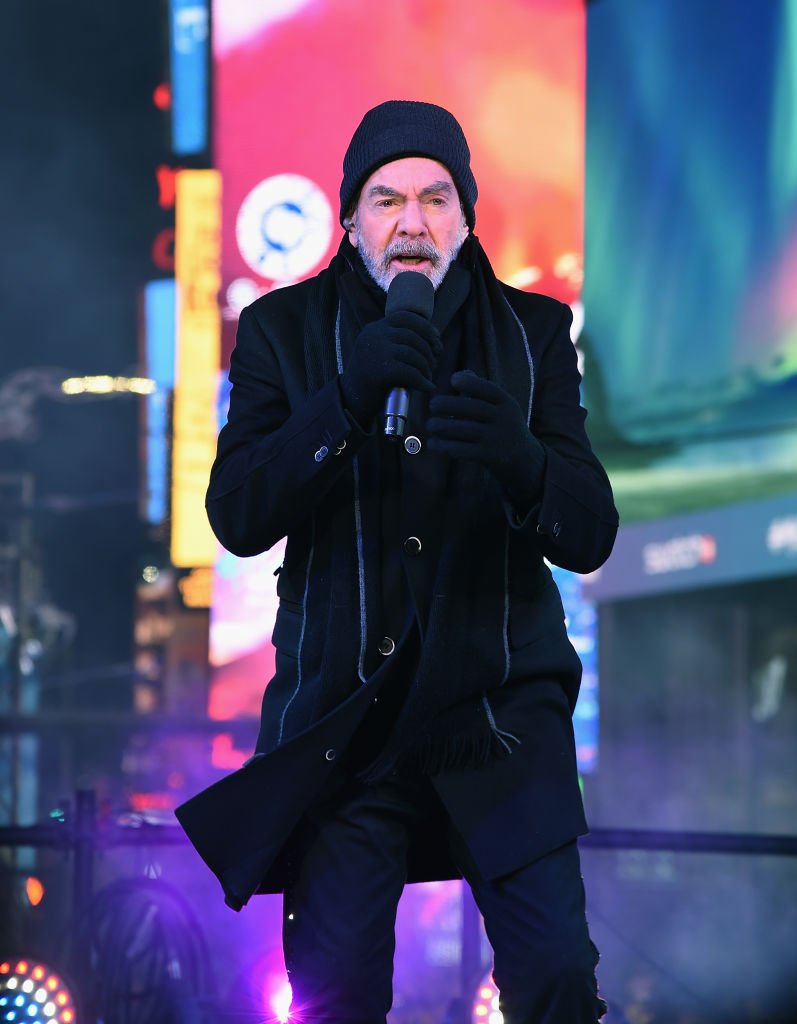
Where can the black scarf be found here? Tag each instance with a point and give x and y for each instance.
(445, 721)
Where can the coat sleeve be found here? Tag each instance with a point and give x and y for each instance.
(274, 462)
(575, 520)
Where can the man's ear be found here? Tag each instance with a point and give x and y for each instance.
(349, 223)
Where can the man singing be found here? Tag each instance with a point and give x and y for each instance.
(418, 725)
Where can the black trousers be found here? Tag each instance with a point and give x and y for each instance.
(340, 913)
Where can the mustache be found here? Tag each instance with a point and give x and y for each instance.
(414, 249)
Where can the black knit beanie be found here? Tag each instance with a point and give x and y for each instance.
(401, 128)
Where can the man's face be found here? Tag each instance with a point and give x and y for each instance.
(408, 217)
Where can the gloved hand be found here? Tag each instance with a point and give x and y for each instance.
(400, 351)
(486, 425)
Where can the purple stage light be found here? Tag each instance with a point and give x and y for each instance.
(278, 998)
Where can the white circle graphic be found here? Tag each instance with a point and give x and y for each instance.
(284, 227)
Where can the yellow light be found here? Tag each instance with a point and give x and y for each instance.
(106, 385)
(141, 385)
(525, 277)
(568, 267)
(485, 992)
(198, 276)
(67, 1017)
(38, 971)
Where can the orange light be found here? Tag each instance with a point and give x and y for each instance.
(67, 1017)
(62, 999)
(38, 973)
(22, 967)
(52, 983)
(34, 890)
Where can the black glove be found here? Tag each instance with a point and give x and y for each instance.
(486, 425)
(400, 351)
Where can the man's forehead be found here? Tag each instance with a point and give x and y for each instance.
(418, 173)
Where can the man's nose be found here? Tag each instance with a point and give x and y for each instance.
(411, 219)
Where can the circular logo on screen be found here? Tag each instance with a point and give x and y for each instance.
(284, 227)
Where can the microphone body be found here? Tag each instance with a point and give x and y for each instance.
(411, 291)
(397, 405)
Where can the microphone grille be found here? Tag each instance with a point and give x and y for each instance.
(411, 291)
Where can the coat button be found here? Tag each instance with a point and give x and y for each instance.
(339, 448)
(412, 445)
(557, 529)
(386, 646)
(321, 454)
(331, 754)
(412, 545)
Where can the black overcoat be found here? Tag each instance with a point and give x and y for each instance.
(280, 456)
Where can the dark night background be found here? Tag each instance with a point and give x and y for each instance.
(81, 140)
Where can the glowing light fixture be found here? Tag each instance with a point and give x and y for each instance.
(485, 1006)
(107, 385)
(34, 890)
(281, 1003)
(32, 992)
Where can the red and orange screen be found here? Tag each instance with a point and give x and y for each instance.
(292, 80)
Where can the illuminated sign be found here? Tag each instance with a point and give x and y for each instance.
(750, 540)
(782, 535)
(680, 553)
(159, 326)
(189, 51)
(279, 137)
(284, 227)
(197, 262)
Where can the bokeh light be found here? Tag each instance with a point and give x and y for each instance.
(485, 1005)
(32, 992)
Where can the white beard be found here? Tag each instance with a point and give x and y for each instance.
(382, 270)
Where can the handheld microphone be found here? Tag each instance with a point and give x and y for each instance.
(411, 291)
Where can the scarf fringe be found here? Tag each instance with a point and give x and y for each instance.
(474, 742)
